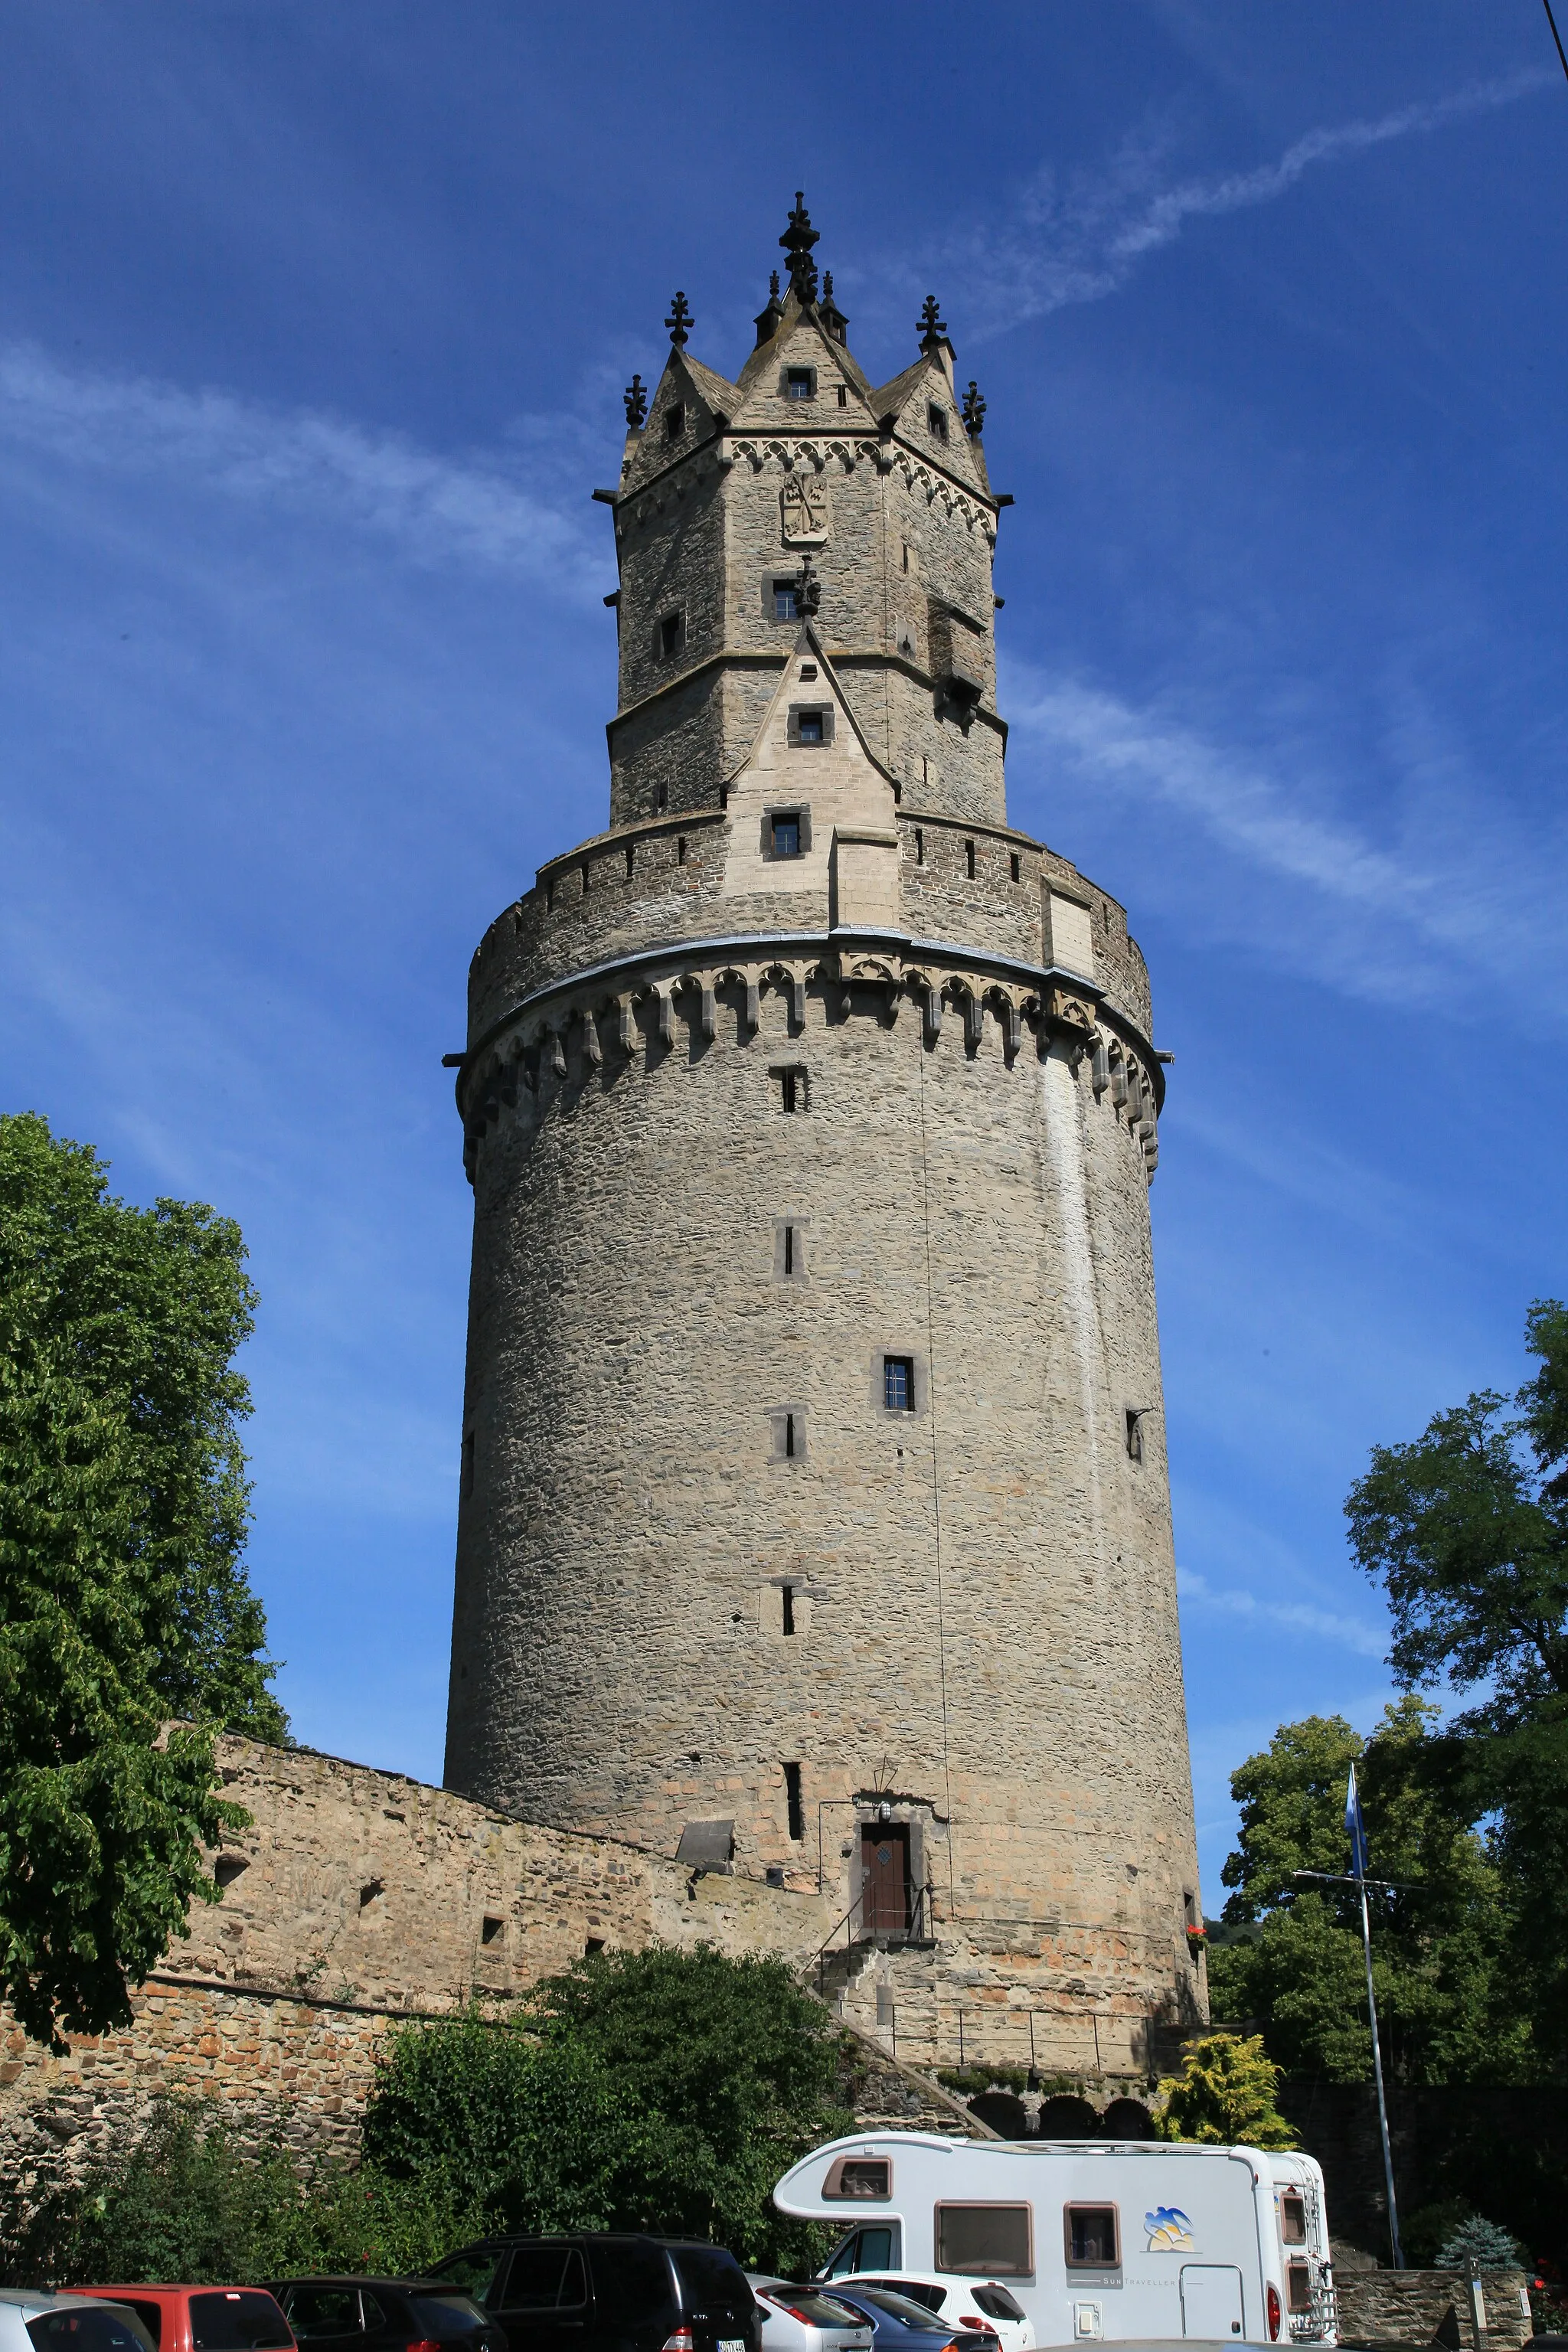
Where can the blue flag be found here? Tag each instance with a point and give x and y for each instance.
(1355, 1829)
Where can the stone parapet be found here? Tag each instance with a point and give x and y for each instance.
(1489, 2312)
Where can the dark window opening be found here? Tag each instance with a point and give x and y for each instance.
(984, 2240)
(1091, 2234)
(1018, 867)
(492, 1929)
(228, 1867)
(1134, 1434)
(724, 797)
(789, 1611)
(671, 635)
(1299, 2280)
(793, 1800)
(789, 1436)
(897, 1383)
(808, 672)
(584, 877)
(789, 1249)
(786, 600)
(969, 859)
(799, 383)
(786, 833)
(936, 417)
(810, 726)
(920, 847)
(663, 792)
(680, 850)
(466, 1481)
(595, 1944)
(906, 558)
(844, 395)
(794, 1090)
(369, 1892)
(1294, 2217)
(675, 420)
(631, 858)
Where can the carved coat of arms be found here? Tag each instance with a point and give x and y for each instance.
(804, 501)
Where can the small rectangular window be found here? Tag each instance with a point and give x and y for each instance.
(1091, 2237)
(584, 877)
(844, 395)
(675, 420)
(897, 1384)
(786, 600)
(906, 558)
(936, 417)
(1134, 1434)
(663, 795)
(671, 635)
(789, 1249)
(793, 1799)
(969, 859)
(789, 1436)
(810, 729)
(860, 2178)
(492, 1929)
(791, 1089)
(1017, 867)
(1299, 2281)
(1294, 2217)
(786, 833)
(920, 847)
(787, 1599)
(799, 383)
(984, 2240)
(631, 859)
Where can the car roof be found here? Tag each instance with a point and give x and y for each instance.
(45, 2298)
(359, 2278)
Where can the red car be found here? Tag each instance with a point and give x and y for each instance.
(204, 2318)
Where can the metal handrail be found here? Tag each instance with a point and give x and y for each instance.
(907, 1934)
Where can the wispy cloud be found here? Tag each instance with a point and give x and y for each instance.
(497, 512)
(1295, 1616)
(1474, 894)
(1079, 239)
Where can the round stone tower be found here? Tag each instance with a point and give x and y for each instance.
(814, 1519)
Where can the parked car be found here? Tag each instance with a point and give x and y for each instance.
(609, 2293)
(36, 2319)
(981, 2304)
(203, 2318)
(902, 2324)
(387, 2315)
(798, 2318)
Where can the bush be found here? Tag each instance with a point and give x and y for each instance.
(1481, 2243)
(1225, 2094)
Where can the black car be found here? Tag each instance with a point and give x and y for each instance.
(366, 2315)
(589, 2292)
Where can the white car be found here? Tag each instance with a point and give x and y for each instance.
(32, 2319)
(806, 2319)
(958, 2302)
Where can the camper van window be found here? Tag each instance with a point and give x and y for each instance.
(1293, 2219)
(1091, 2234)
(1299, 2281)
(984, 2240)
(869, 2177)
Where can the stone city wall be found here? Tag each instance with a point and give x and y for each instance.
(1490, 2314)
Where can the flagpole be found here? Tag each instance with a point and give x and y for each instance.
(1377, 2071)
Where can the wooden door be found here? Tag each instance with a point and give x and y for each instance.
(884, 1878)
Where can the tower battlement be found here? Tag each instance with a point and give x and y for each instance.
(814, 1518)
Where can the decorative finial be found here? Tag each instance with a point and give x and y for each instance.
(974, 412)
(771, 315)
(929, 326)
(678, 320)
(832, 317)
(808, 590)
(635, 398)
(797, 241)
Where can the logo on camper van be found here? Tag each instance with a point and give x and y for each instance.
(1169, 2231)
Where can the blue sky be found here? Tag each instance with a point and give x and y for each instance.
(313, 327)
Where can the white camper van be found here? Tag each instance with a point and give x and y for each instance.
(1119, 2240)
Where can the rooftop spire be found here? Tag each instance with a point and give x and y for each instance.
(797, 241)
(678, 320)
(974, 412)
(635, 398)
(832, 317)
(771, 314)
(929, 326)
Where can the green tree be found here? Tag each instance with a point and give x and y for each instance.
(1440, 1945)
(1467, 1527)
(123, 1600)
(659, 2089)
(1225, 2094)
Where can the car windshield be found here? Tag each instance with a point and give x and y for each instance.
(238, 2319)
(817, 2310)
(934, 2297)
(88, 2328)
(898, 2306)
(447, 2315)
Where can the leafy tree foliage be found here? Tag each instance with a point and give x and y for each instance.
(1467, 1529)
(123, 1602)
(1440, 1946)
(1226, 2095)
(659, 2090)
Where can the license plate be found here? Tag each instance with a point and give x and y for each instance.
(731, 2344)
